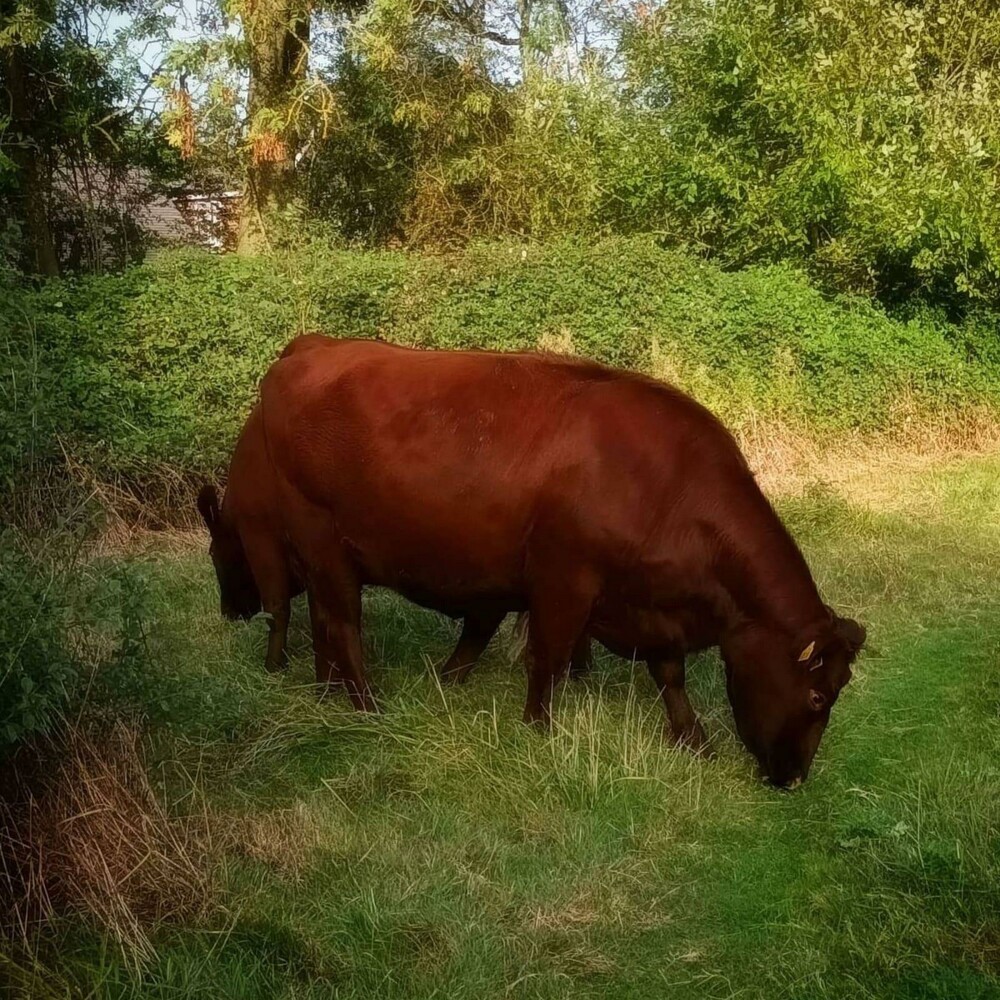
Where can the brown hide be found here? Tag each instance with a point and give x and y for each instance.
(593, 498)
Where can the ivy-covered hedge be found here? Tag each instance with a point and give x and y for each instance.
(157, 367)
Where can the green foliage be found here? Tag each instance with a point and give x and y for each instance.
(360, 177)
(38, 671)
(856, 135)
(62, 626)
(158, 367)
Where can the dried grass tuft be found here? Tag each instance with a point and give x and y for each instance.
(283, 839)
(92, 837)
(559, 341)
(517, 647)
(581, 912)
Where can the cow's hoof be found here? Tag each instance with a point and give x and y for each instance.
(693, 739)
(537, 721)
(364, 701)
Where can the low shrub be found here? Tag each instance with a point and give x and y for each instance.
(61, 628)
(39, 670)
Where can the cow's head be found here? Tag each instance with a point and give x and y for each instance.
(239, 597)
(782, 690)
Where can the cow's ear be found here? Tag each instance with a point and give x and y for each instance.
(208, 507)
(851, 632)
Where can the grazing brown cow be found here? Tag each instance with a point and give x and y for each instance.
(255, 567)
(593, 498)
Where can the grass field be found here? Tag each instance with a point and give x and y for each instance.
(442, 850)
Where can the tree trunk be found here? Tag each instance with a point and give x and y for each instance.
(278, 35)
(524, 12)
(34, 194)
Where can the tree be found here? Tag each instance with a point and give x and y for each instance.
(277, 40)
(76, 115)
(858, 136)
(22, 27)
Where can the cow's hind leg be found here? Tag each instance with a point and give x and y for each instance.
(478, 627)
(581, 662)
(668, 675)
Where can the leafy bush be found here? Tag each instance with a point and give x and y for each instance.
(857, 136)
(60, 627)
(156, 368)
(38, 669)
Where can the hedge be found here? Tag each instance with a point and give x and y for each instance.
(158, 366)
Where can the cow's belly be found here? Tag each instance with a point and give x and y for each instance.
(641, 631)
(436, 553)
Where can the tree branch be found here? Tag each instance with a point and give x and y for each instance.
(495, 36)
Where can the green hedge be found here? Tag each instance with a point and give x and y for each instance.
(157, 367)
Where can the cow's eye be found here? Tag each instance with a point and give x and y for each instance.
(816, 699)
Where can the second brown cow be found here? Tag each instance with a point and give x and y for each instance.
(257, 569)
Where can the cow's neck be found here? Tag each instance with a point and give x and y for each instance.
(764, 574)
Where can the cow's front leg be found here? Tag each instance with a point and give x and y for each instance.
(556, 625)
(668, 675)
(327, 673)
(269, 565)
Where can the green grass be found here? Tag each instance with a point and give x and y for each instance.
(442, 850)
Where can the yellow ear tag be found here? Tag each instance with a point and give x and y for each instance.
(807, 652)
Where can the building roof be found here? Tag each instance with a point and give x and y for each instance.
(179, 215)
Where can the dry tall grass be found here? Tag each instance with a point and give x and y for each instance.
(90, 835)
(787, 460)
